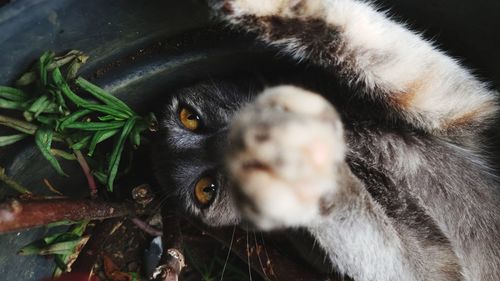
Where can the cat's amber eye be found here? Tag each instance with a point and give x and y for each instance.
(204, 191)
(189, 119)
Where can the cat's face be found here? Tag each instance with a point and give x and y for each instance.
(188, 159)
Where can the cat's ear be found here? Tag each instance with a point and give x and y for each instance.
(380, 58)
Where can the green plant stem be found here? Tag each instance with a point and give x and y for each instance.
(88, 173)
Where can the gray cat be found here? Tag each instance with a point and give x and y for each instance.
(390, 181)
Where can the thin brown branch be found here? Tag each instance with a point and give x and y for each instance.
(16, 215)
(144, 226)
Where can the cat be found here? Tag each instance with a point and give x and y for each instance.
(389, 178)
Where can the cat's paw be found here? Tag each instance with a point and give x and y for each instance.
(283, 150)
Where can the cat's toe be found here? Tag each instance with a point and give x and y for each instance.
(282, 155)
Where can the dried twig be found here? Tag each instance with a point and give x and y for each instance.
(144, 226)
(18, 215)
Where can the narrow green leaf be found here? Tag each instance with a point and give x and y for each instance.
(100, 176)
(50, 121)
(45, 60)
(82, 143)
(26, 79)
(6, 140)
(30, 249)
(43, 139)
(108, 118)
(62, 248)
(8, 104)
(99, 137)
(103, 96)
(79, 229)
(75, 65)
(40, 105)
(96, 126)
(63, 222)
(12, 94)
(61, 103)
(60, 237)
(73, 118)
(114, 160)
(63, 154)
(119, 114)
(65, 59)
(64, 87)
(60, 261)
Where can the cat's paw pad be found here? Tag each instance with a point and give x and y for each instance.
(282, 156)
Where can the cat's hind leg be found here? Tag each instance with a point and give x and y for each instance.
(379, 57)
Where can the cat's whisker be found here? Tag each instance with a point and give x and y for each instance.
(248, 257)
(228, 253)
(267, 256)
(164, 198)
(258, 255)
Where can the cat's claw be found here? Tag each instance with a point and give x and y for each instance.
(282, 156)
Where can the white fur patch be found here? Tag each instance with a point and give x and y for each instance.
(292, 142)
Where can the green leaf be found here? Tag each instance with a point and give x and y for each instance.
(104, 96)
(100, 176)
(64, 87)
(50, 121)
(6, 140)
(79, 229)
(8, 104)
(114, 160)
(119, 114)
(43, 139)
(96, 126)
(60, 237)
(12, 94)
(82, 143)
(75, 65)
(26, 79)
(108, 118)
(99, 137)
(63, 222)
(40, 105)
(72, 118)
(45, 60)
(64, 248)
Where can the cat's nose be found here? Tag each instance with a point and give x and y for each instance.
(216, 145)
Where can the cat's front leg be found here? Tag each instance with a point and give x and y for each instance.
(286, 158)
(381, 58)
